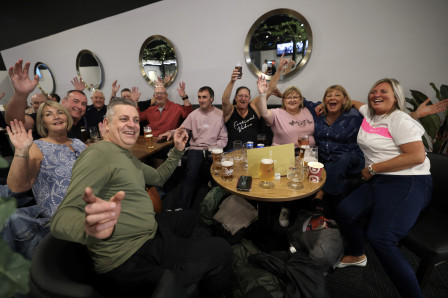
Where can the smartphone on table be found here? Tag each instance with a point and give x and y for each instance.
(244, 183)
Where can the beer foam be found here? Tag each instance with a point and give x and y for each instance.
(217, 151)
(148, 136)
(227, 163)
(267, 161)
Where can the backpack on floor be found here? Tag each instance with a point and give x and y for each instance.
(319, 237)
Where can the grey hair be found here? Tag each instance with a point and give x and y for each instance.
(398, 94)
(115, 101)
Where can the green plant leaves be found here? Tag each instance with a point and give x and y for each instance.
(14, 268)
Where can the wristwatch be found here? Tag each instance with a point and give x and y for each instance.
(184, 98)
(371, 171)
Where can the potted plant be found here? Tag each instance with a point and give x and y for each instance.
(14, 268)
(436, 137)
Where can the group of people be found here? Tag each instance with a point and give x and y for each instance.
(96, 195)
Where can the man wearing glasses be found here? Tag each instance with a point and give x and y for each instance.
(166, 115)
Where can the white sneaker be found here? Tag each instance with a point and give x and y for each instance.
(283, 219)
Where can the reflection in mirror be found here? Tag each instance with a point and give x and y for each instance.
(274, 33)
(158, 58)
(46, 80)
(89, 69)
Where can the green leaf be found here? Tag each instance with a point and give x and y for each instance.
(413, 102)
(431, 124)
(419, 96)
(436, 90)
(14, 272)
(3, 163)
(425, 142)
(443, 92)
(7, 207)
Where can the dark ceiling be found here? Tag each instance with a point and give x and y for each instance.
(25, 21)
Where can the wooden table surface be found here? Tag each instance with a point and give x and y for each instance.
(141, 151)
(279, 193)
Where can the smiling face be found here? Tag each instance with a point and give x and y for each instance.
(204, 100)
(242, 99)
(36, 100)
(292, 102)
(382, 99)
(54, 120)
(98, 99)
(123, 126)
(161, 96)
(76, 104)
(334, 101)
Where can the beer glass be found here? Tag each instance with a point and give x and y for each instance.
(227, 168)
(261, 139)
(147, 130)
(149, 141)
(309, 155)
(240, 69)
(216, 156)
(303, 141)
(295, 173)
(267, 173)
(237, 147)
(94, 133)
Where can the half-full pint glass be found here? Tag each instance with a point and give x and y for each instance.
(149, 141)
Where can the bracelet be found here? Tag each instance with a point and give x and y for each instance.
(262, 94)
(184, 98)
(23, 156)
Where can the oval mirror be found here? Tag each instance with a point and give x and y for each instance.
(46, 80)
(274, 33)
(158, 59)
(89, 69)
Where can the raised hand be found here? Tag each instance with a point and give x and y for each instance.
(277, 93)
(101, 215)
(159, 82)
(20, 79)
(235, 74)
(424, 109)
(180, 138)
(135, 95)
(167, 79)
(78, 84)
(115, 87)
(262, 85)
(181, 89)
(283, 62)
(20, 138)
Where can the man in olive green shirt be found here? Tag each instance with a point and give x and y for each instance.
(119, 231)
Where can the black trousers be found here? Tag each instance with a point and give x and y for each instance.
(203, 262)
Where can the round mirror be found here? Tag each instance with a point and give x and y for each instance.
(46, 80)
(158, 59)
(89, 69)
(280, 31)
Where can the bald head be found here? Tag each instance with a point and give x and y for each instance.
(36, 100)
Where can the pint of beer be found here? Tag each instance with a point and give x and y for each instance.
(216, 156)
(149, 141)
(267, 170)
(227, 168)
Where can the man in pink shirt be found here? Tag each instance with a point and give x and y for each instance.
(207, 128)
(166, 115)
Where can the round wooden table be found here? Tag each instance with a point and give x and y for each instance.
(279, 193)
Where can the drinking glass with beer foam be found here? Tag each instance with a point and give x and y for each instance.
(267, 173)
(149, 141)
(227, 168)
(216, 156)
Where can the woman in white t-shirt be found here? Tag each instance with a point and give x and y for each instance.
(398, 185)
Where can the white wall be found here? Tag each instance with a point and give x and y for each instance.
(356, 42)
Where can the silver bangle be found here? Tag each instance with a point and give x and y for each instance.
(262, 94)
(22, 156)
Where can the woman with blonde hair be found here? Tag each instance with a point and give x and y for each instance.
(44, 166)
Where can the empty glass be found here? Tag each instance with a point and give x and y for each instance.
(237, 146)
(94, 133)
(296, 173)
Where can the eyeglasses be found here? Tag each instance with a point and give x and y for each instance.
(159, 93)
(292, 97)
(242, 96)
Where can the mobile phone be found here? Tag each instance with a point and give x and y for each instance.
(162, 140)
(244, 183)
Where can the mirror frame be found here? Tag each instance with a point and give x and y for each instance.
(140, 59)
(78, 61)
(52, 78)
(284, 11)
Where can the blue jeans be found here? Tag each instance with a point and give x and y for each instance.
(393, 203)
(25, 229)
(337, 171)
(22, 198)
(194, 163)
